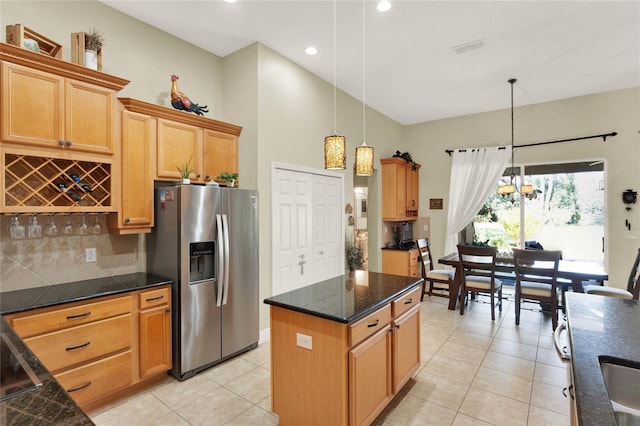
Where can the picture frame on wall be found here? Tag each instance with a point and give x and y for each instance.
(435, 203)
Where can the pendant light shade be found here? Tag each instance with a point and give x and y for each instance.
(364, 160)
(335, 152)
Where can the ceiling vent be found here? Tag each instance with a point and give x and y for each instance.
(471, 45)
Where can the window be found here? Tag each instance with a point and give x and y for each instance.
(565, 211)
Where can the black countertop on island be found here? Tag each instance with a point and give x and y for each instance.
(345, 298)
(50, 404)
(599, 326)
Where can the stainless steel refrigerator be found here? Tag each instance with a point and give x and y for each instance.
(205, 239)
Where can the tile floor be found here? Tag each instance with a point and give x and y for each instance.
(473, 372)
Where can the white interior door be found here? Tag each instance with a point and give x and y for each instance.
(307, 237)
(326, 249)
(291, 230)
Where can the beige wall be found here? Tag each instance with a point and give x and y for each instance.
(285, 113)
(581, 116)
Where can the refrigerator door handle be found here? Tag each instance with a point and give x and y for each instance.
(221, 256)
(225, 227)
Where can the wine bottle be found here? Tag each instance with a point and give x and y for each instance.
(75, 197)
(62, 187)
(85, 187)
(74, 177)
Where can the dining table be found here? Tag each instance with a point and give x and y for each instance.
(571, 274)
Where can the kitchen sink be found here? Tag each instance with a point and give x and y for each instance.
(622, 379)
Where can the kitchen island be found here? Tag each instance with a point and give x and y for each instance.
(341, 349)
(600, 329)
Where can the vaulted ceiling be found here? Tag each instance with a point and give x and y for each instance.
(556, 49)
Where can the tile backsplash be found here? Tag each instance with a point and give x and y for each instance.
(36, 262)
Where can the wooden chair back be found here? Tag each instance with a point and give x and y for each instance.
(424, 253)
(633, 284)
(539, 266)
(479, 261)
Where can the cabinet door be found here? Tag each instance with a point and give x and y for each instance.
(412, 202)
(406, 347)
(220, 154)
(177, 143)
(89, 117)
(32, 106)
(396, 262)
(394, 193)
(155, 341)
(370, 378)
(137, 177)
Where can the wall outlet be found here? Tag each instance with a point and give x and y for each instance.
(426, 228)
(304, 341)
(90, 255)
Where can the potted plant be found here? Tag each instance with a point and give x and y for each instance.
(93, 41)
(185, 171)
(229, 179)
(354, 255)
(406, 157)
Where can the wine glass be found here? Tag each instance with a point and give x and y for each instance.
(34, 230)
(82, 228)
(95, 227)
(67, 226)
(16, 230)
(51, 229)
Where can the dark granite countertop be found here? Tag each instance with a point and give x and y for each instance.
(47, 405)
(50, 404)
(40, 297)
(404, 247)
(599, 326)
(347, 297)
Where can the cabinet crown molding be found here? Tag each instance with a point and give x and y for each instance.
(39, 61)
(160, 111)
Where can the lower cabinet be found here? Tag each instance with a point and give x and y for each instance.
(101, 348)
(348, 373)
(400, 262)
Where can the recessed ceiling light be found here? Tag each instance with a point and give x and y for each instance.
(384, 5)
(230, 1)
(311, 50)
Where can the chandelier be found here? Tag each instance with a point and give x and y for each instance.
(509, 189)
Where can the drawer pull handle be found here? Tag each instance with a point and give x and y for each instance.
(408, 302)
(86, 385)
(86, 314)
(155, 298)
(374, 324)
(84, 345)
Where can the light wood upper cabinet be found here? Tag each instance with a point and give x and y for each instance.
(177, 144)
(46, 110)
(400, 190)
(136, 181)
(220, 153)
(211, 145)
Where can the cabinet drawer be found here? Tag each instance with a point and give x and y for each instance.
(98, 378)
(68, 317)
(65, 348)
(413, 258)
(405, 302)
(156, 297)
(369, 325)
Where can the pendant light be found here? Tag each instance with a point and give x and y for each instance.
(335, 151)
(364, 153)
(507, 190)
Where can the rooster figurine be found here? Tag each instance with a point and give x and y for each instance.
(180, 101)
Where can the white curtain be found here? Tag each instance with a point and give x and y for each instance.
(474, 174)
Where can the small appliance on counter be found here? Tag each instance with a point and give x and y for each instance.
(406, 235)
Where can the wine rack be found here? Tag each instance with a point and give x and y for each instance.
(41, 184)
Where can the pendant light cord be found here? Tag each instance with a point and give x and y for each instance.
(335, 113)
(364, 104)
(512, 82)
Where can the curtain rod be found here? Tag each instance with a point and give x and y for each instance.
(603, 136)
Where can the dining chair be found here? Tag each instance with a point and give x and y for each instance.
(633, 285)
(439, 279)
(537, 279)
(478, 275)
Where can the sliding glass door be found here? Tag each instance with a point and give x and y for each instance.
(564, 212)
